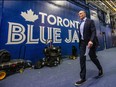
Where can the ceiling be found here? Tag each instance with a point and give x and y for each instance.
(105, 5)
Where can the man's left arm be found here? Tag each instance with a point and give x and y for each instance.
(93, 31)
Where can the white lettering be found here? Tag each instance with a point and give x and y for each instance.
(53, 22)
(30, 39)
(56, 35)
(59, 21)
(43, 17)
(42, 39)
(75, 37)
(66, 22)
(16, 33)
(70, 37)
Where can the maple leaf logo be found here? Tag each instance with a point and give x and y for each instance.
(29, 16)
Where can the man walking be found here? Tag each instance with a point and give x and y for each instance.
(88, 40)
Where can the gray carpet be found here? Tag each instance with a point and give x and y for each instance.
(67, 73)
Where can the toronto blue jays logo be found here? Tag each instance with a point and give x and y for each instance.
(18, 33)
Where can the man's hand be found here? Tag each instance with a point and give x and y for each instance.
(90, 44)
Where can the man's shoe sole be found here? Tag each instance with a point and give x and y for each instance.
(79, 84)
(101, 76)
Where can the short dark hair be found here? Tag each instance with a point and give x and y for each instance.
(82, 10)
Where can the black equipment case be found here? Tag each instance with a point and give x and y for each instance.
(13, 66)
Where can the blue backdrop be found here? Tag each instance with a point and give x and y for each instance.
(26, 25)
